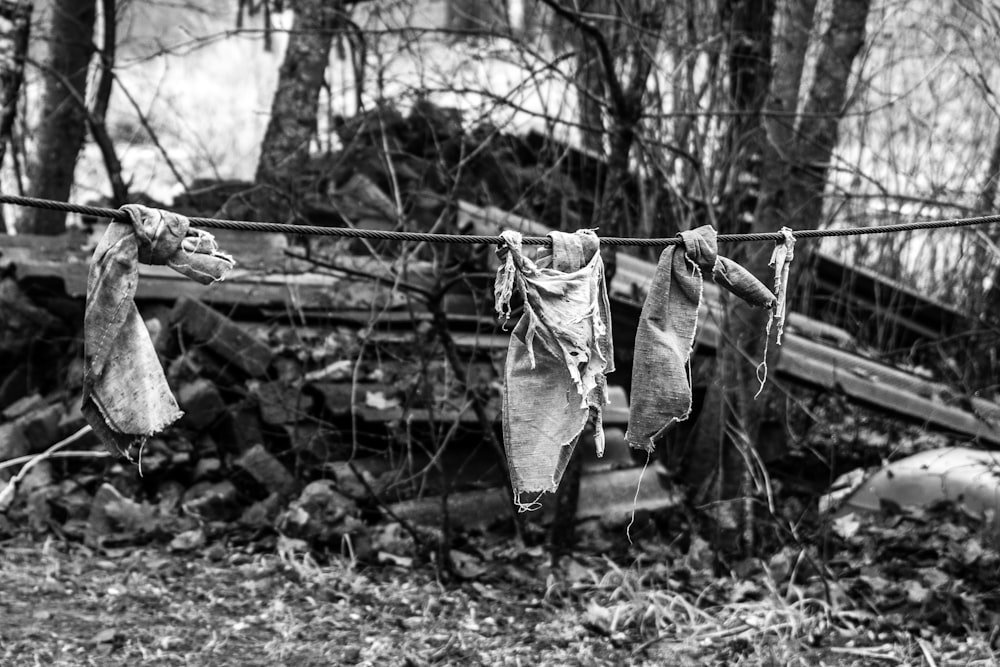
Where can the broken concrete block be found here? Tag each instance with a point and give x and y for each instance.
(39, 477)
(243, 429)
(337, 395)
(317, 444)
(39, 509)
(281, 403)
(74, 501)
(201, 402)
(199, 362)
(262, 513)
(41, 426)
(169, 495)
(373, 401)
(288, 368)
(110, 511)
(22, 321)
(13, 385)
(266, 470)
(207, 468)
(73, 420)
(348, 482)
(189, 540)
(23, 406)
(181, 451)
(13, 443)
(206, 446)
(320, 515)
(211, 501)
(224, 337)
(392, 538)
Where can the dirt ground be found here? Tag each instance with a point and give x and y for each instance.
(76, 607)
(270, 604)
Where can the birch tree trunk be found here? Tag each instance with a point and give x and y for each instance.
(63, 120)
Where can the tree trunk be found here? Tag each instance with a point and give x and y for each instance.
(819, 124)
(802, 133)
(616, 44)
(985, 206)
(63, 122)
(15, 23)
(473, 15)
(747, 26)
(980, 367)
(787, 157)
(284, 151)
(285, 148)
(727, 414)
(97, 118)
(590, 96)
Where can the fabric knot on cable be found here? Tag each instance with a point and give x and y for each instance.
(559, 353)
(700, 249)
(661, 378)
(125, 394)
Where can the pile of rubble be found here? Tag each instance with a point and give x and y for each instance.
(324, 383)
(307, 429)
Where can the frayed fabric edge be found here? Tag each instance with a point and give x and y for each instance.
(650, 441)
(104, 427)
(781, 260)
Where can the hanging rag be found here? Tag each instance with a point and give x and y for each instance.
(125, 393)
(559, 353)
(781, 260)
(661, 382)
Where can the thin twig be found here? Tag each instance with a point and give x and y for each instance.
(151, 133)
(7, 493)
(73, 453)
(407, 526)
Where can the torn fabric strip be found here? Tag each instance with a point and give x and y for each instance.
(661, 382)
(125, 393)
(558, 356)
(781, 260)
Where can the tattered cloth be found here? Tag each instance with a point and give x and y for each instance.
(125, 393)
(557, 357)
(661, 382)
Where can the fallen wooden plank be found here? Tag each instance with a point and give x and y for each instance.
(889, 397)
(869, 382)
(612, 495)
(264, 275)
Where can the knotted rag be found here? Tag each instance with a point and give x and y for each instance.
(661, 382)
(125, 393)
(559, 352)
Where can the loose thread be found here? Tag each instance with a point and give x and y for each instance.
(529, 506)
(635, 498)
